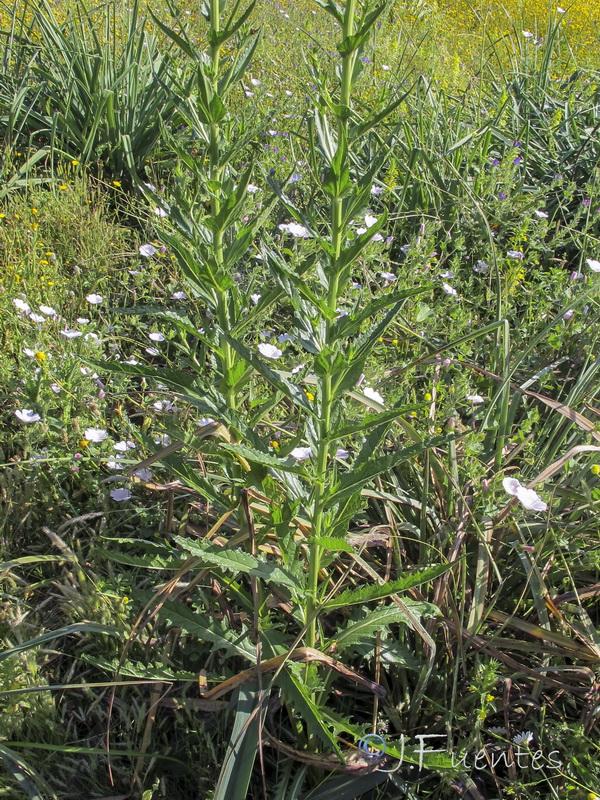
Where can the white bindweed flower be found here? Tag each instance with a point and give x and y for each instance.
(449, 289)
(254, 81)
(144, 474)
(37, 318)
(481, 266)
(118, 495)
(476, 399)
(255, 298)
(114, 465)
(373, 395)
(156, 336)
(153, 351)
(147, 250)
(269, 350)
(341, 453)
(160, 212)
(82, 320)
(527, 34)
(301, 453)
(385, 68)
(178, 296)
(69, 334)
(27, 415)
(252, 188)
(370, 220)
(517, 254)
(388, 276)
(94, 299)
(541, 214)
(297, 369)
(55, 388)
(593, 264)
(22, 305)
(95, 434)
(527, 497)
(296, 230)
(132, 362)
(203, 421)
(376, 190)
(48, 311)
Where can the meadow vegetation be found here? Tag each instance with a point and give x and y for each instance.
(300, 443)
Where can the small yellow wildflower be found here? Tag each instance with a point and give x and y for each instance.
(40, 357)
(34, 226)
(595, 469)
(83, 442)
(427, 397)
(309, 396)
(117, 184)
(490, 698)
(64, 187)
(274, 444)
(394, 341)
(43, 261)
(74, 162)
(34, 211)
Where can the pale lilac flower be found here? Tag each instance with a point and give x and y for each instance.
(285, 337)
(568, 314)
(150, 186)
(82, 320)
(515, 254)
(93, 336)
(118, 495)
(114, 464)
(37, 318)
(301, 453)
(527, 34)
(160, 212)
(94, 299)
(48, 311)
(269, 350)
(476, 399)
(370, 220)
(144, 474)
(373, 395)
(27, 415)
(132, 362)
(22, 305)
(254, 81)
(203, 421)
(156, 336)
(69, 334)
(528, 498)
(122, 447)
(147, 250)
(152, 351)
(376, 190)
(163, 405)
(341, 453)
(55, 388)
(377, 238)
(593, 264)
(252, 188)
(95, 434)
(297, 369)
(178, 296)
(388, 276)
(255, 298)
(298, 231)
(541, 214)
(574, 276)
(449, 289)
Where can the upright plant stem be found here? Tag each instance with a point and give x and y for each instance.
(326, 389)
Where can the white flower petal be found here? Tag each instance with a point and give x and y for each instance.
(94, 299)
(593, 264)
(296, 230)
(122, 447)
(147, 250)
(69, 334)
(27, 415)
(156, 336)
(118, 495)
(301, 453)
(47, 310)
(527, 497)
(269, 350)
(95, 434)
(22, 305)
(373, 395)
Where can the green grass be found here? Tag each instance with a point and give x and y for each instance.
(387, 583)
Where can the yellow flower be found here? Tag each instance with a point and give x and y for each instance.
(2, 216)
(394, 341)
(34, 226)
(34, 211)
(74, 162)
(117, 184)
(40, 357)
(83, 443)
(427, 397)
(274, 444)
(595, 469)
(64, 187)
(490, 698)
(43, 261)
(309, 396)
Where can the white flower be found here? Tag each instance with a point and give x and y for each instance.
(27, 415)
(476, 399)
(285, 337)
(114, 465)
(269, 350)
(93, 336)
(560, 10)
(370, 220)
(37, 318)
(298, 231)
(94, 299)
(22, 305)
(301, 453)
(156, 336)
(254, 81)
(55, 388)
(373, 395)
(377, 238)
(252, 188)
(341, 453)
(447, 274)
(178, 296)
(527, 34)
(164, 440)
(118, 495)
(523, 738)
(360, 231)
(388, 276)
(132, 362)
(481, 266)
(143, 474)
(48, 311)
(385, 68)
(150, 186)
(203, 421)
(449, 289)
(163, 405)
(289, 94)
(515, 254)
(593, 264)
(82, 320)
(147, 250)
(297, 369)
(153, 351)
(95, 434)
(160, 212)
(29, 352)
(541, 214)
(69, 334)
(528, 498)
(376, 189)
(255, 298)
(248, 93)
(122, 447)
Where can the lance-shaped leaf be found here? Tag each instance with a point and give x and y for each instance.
(367, 594)
(351, 43)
